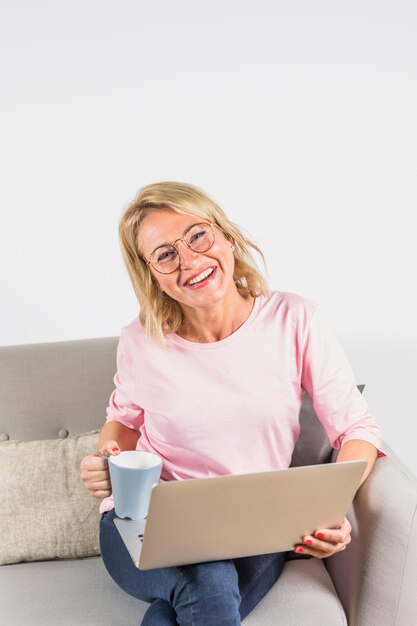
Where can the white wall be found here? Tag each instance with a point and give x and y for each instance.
(297, 117)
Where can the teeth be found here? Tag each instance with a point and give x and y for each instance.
(201, 276)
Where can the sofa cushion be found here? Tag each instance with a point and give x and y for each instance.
(81, 591)
(46, 512)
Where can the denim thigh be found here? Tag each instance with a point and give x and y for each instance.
(246, 579)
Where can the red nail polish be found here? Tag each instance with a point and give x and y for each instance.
(299, 550)
(307, 541)
(319, 535)
(113, 449)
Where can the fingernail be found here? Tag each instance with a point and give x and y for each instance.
(307, 541)
(319, 535)
(299, 550)
(113, 449)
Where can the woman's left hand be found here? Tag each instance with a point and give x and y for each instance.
(326, 541)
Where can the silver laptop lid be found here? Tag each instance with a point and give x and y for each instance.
(209, 519)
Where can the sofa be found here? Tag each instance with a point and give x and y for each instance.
(53, 398)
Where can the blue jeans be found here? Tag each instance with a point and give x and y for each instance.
(213, 593)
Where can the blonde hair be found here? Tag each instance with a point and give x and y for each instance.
(160, 314)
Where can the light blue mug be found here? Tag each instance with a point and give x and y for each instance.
(133, 474)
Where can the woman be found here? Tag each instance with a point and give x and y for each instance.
(211, 378)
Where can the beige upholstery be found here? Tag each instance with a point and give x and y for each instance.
(59, 389)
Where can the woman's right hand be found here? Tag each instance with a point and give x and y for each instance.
(95, 470)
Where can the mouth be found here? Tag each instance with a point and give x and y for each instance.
(202, 278)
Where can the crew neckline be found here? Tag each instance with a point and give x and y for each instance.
(195, 345)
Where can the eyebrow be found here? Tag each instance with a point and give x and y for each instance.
(162, 245)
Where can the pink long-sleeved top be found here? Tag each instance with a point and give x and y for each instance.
(232, 406)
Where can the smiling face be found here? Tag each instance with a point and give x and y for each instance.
(165, 226)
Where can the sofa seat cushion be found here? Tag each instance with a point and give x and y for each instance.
(80, 591)
(67, 592)
(303, 594)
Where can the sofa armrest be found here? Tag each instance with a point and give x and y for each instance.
(376, 575)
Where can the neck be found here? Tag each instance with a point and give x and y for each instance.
(218, 322)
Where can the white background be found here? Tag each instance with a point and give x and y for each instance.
(297, 117)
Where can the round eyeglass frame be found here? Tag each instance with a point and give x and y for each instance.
(211, 224)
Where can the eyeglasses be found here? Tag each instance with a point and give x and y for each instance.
(198, 237)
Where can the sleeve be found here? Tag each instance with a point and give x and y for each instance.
(328, 378)
(121, 407)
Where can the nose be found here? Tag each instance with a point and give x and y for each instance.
(186, 256)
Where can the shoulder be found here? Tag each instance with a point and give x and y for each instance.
(133, 328)
(298, 308)
(132, 335)
(135, 341)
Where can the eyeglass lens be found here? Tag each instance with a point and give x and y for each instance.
(199, 238)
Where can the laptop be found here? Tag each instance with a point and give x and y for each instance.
(225, 517)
